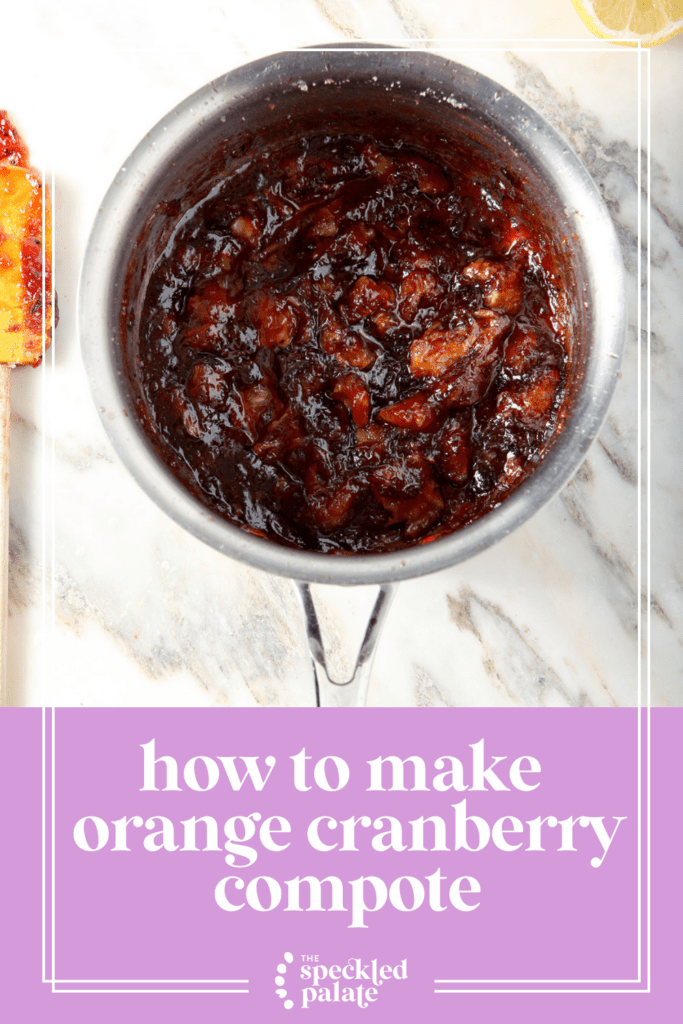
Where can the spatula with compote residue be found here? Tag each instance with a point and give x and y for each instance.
(25, 311)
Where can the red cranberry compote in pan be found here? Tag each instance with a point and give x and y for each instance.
(349, 347)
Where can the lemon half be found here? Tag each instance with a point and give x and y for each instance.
(630, 22)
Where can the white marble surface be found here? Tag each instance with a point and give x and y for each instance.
(146, 615)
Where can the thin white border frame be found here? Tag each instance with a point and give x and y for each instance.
(647, 990)
(442, 45)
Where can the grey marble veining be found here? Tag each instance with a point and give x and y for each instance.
(146, 615)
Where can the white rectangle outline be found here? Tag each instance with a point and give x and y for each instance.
(51, 633)
(145, 991)
(432, 44)
(638, 980)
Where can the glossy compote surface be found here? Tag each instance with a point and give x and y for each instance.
(352, 346)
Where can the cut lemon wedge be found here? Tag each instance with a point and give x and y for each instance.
(630, 22)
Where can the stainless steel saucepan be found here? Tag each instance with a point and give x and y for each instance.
(301, 89)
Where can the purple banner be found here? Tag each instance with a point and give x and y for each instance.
(406, 863)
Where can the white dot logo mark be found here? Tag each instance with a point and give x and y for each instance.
(280, 980)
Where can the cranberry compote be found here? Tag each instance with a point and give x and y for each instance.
(349, 346)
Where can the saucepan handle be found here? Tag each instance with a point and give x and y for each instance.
(347, 693)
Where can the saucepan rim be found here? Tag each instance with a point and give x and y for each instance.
(528, 133)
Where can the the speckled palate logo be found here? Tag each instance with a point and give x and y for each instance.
(353, 981)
